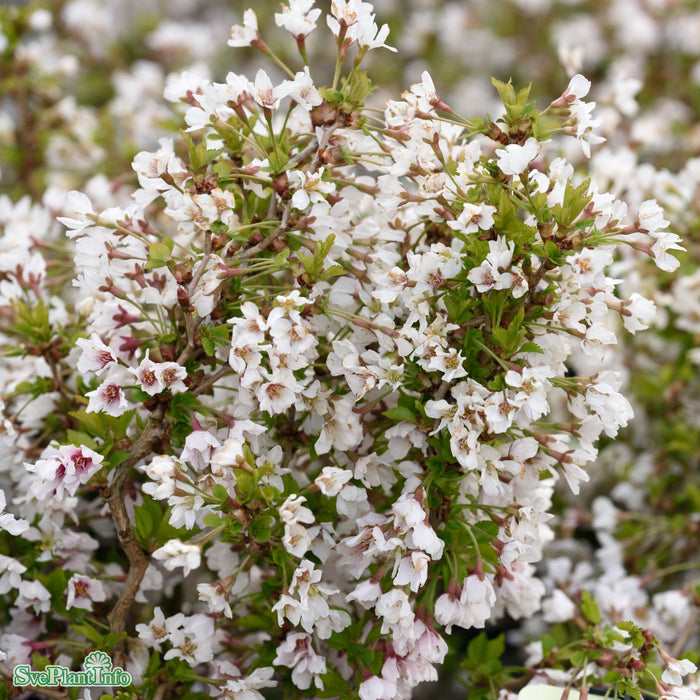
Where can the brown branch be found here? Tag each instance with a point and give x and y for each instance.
(114, 495)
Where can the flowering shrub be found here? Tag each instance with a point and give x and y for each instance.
(319, 389)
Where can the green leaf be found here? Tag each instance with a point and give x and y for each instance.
(590, 608)
(333, 97)
(116, 457)
(401, 413)
(89, 632)
(159, 254)
(530, 347)
(207, 345)
(78, 438)
(184, 672)
(40, 662)
(220, 493)
(90, 422)
(144, 523)
(55, 582)
(222, 170)
(634, 630)
(357, 89)
(333, 271)
(334, 686)
(313, 265)
(360, 653)
(548, 643)
(551, 250)
(139, 395)
(505, 90)
(212, 520)
(261, 528)
(154, 665)
(231, 531)
(487, 528)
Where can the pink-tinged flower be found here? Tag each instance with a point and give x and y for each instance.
(155, 632)
(107, 398)
(199, 445)
(296, 653)
(296, 539)
(426, 93)
(664, 243)
(332, 479)
(63, 469)
(514, 159)
(298, 19)
(377, 688)
(245, 688)
(558, 607)
(96, 356)
(8, 522)
(448, 611)
(247, 33)
(33, 594)
(193, 643)
(395, 610)
(348, 13)
(429, 646)
(582, 125)
(637, 313)
(303, 91)
(676, 669)
(366, 593)
(479, 597)
(265, 93)
(81, 206)
(292, 510)
(474, 217)
(369, 36)
(172, 376)
(651, 217)
(578, 87)
(413, 571)
(308, 188)
(176, 553)
(10, 574)
(147, 375)
(83, 591)
(275, 396)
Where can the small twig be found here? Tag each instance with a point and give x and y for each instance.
(267, 242)
(442, 390)
(202, 264)
(303, 154)
(211, 379)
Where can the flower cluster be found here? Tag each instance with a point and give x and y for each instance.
(348, 376)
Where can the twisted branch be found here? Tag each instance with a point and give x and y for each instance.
(114, 495)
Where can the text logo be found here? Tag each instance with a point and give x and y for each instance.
(97, 670)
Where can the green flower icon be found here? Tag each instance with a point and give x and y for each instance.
(97, 660)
